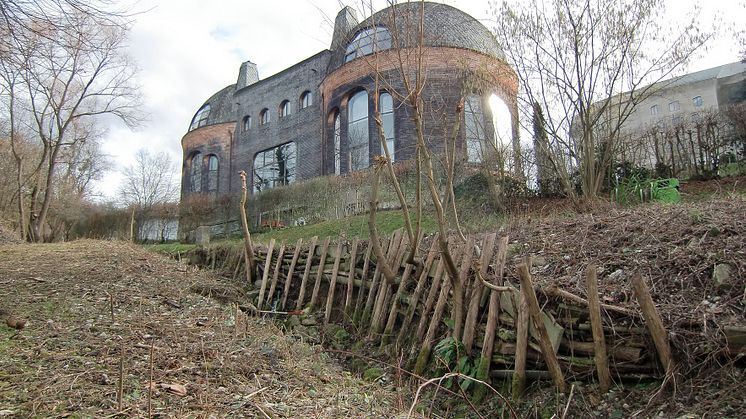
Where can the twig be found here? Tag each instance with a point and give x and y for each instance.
(120, 384)
(438, 380)
(569, 399)
(150, 381)
(555, 291)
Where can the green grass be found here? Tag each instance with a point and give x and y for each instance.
(387, 222)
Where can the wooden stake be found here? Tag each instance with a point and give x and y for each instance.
(459, 288)
(374, 285)
(431, 295)
(150, 381)
(654, 323)
(320, 272)
(493, 313)
(363, 286)
(599, 343)
(475, 296)
(527, 289)
(394, 257)
(276, 275)
(309, 260)
(415, 298)
(333, 283)
(265, 275)
(291, 270)
(351, 276)
(521, 346)
(427, 344)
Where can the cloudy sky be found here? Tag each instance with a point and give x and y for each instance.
(189, 49)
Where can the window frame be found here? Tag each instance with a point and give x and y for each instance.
(284, 110)
(246, 123)
(212, 173)
(368, 41)
(264, 117)
(654, 110)
(195, 173)
(475, 137)
(306, 99)
(697, 101)
(363, 145)
(273, 165)
(387, 116)
(200, 118)
(674, 106)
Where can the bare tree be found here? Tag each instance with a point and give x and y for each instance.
(70, 83)
(150, 181)
(575, 57)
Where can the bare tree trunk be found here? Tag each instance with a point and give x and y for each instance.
(248, 246)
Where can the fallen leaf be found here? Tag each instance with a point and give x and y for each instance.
(176, 389)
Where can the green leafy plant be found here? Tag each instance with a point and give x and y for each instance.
(451, 353)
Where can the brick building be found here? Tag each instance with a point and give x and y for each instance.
(316, 117)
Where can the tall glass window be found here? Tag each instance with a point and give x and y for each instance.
(474, 125)
(357, 132)
(337, 144)
(246, 123)
(195, 173)
(264, 117)
(212, 173)
(386, 108)
(367, 42)
(200, 118)
(275, 167)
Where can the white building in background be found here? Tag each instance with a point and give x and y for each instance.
(687, 97)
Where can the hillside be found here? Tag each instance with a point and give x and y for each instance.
(89, 305)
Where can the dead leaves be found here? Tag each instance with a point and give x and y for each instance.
(173, 388)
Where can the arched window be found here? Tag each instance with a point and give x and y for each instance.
(274, 167)
(386, 108)
(474, 125)
(367, 42)
(212, 173)
(264, 117)
(246, 123)
(306, 99)
(357, 132)
(195, 173)
(337, 144)
(200, 118)
(284, 108)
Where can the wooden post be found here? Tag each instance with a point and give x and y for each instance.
(431, 295)
(351, 275)
(493, 313)
(547, 350)
(361, 292)
(309, 260)
(394, 311)
(475, 296)
(415, 298)
(654, 323)
(265, 275)
(521, 346)
(276, 275)
(599, 343)
(459, 289)
(394, 259)
(291, 270)
(320, 272)
(333, 283)
(372, 292)
(427, 344)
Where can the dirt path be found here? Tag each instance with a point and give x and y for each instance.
(67, 359)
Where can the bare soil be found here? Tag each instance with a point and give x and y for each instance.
(91, 306)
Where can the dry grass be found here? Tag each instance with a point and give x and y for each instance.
(67, 359)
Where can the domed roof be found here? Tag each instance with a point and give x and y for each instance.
(221, 107)
(444, 26)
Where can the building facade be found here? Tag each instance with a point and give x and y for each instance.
(316, 118)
